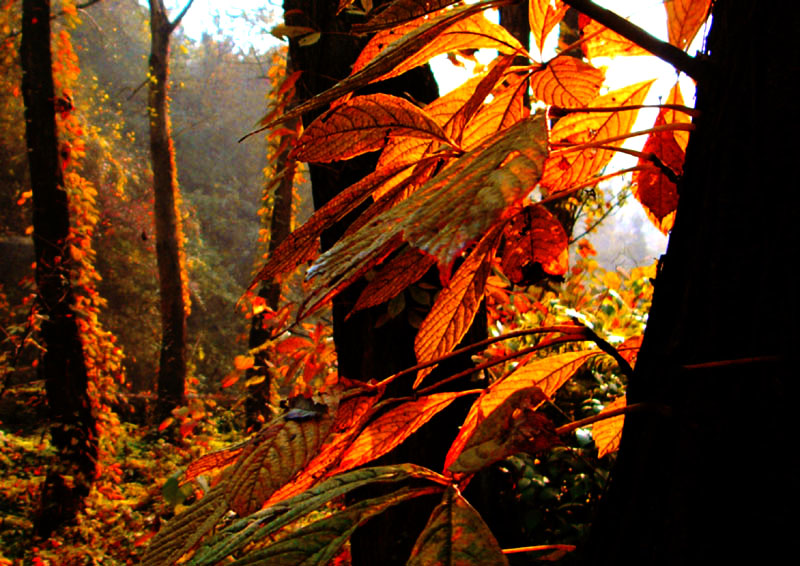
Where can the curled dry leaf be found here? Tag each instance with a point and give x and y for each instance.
(511, 427)
(547, 373)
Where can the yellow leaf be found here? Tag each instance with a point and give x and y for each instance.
(607, 433)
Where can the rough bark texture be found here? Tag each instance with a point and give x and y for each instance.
(73, 430)
(709, 482)
(366, 349)
(169, 234)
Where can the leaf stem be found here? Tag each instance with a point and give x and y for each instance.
(599, 143)
(677, 107)
(539, 547)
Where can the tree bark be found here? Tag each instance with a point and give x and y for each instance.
(703, 478)
(169, 232)
(73, 428)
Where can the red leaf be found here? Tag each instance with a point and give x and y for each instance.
(651, 186)
(534, 236)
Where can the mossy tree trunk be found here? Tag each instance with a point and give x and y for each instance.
(63, 366)
(169, 233)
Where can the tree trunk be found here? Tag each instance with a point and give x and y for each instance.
(704, 477)
(169, 233)
(73, 428)
(280, 224)
(367, 347)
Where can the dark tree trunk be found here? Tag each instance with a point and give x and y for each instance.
(707, 479)
(367, 349)
(169, 233)
(73, 429)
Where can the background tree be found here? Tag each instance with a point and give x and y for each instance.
(63, 365)
(169, 232)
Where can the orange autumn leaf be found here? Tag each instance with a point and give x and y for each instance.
(602, 42)
(229, 380)
(608, 432)
(364, 124)
(546, 373)
(461, 203)
(243, 362)
(400, 272)
(677, 117)
(471, 32)
(165, 423)
(567, 82)
(390, 429)
(534, 236)
(456, 305)
(543, 15)
(505, 109)
(409, 51)
(568, 166)
(657, 193)
(684, 18)
(629, 349)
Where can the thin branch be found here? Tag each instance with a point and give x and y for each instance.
(57, 15)
(693, 112)
(540, 547)
(564, 329)
(647, 156)
(661, 49)
(636, 407)
(179, 17)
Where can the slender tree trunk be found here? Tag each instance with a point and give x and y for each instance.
(705, 477)
(73, 428)
(257, 402)
(169, 233)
